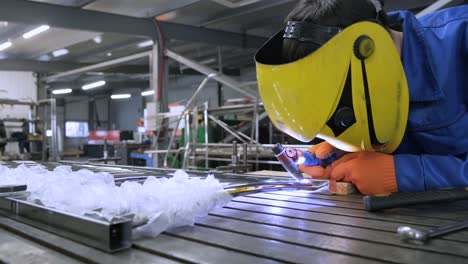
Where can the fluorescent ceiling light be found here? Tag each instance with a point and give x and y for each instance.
(145, 43)
(93, 85)
(35, 31)
(62, 91)
(5, 45)
(60, 52)
(44, 57)
(121, 96)
(146, 93)
(97, 39)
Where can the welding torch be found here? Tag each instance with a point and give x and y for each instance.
(291, 158)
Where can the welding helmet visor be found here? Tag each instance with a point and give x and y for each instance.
(351, 91)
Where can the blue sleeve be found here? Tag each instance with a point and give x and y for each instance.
(416, 173)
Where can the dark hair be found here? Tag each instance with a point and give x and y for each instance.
(331, 13)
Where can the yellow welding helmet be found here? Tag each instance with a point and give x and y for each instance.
(351, 91)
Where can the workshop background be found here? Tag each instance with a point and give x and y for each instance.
(167, 84)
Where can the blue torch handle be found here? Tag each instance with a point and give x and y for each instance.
(312, 160)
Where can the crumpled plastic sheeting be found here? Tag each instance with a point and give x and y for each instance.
(157, 205)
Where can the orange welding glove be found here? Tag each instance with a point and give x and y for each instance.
(317, 172)
(371, 172)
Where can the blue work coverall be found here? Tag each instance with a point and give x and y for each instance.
(433, 153)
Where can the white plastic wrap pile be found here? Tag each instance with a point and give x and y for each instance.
(157, 205)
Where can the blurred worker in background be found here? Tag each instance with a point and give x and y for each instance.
(388, 89)
(3, 138)
(22, 137)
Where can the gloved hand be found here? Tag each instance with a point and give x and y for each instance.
(317, 172)
(371, 172)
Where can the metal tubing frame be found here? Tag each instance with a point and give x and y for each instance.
(252, 128)
(226, 127)
(205, 121)
(154, 80)
(109, 236)
(189, 103)
(249, 146)
(248, 161)
(15, 102)
(434, 7)
(256, 131)
(53, 126)
(237, 134)
(98, 66)
(187, 140)
(254, 145)
(195, 129)
(225, 80)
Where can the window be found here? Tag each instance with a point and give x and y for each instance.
(75, 129)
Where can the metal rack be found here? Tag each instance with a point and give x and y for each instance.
(192, 150)
(32, 119)
(198, 155)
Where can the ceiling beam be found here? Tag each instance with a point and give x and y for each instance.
(36, 66)
(36, 13)
(60, 66)
(245, 10)
(168, 6)
(76, 85)
(84, 3)
(12, 31)
(102, 49)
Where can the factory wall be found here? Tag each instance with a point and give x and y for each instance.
(181, 88)
(75, 109)
(126, 112)
(103, 113)
(16, 85)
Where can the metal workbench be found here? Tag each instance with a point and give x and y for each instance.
(277, 227)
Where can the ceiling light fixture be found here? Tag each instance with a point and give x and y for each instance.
(5, 45)
(36, 31)
(93, 85)
(121, 96)
(146, 93)
(60, 52)
(145, 43)
(62, 91)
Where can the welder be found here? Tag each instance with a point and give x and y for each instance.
(389, 89)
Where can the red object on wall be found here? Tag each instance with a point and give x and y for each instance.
(101, 135)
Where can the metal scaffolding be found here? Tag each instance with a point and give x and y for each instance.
(32, 118)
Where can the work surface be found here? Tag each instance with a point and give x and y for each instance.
(278, 227)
